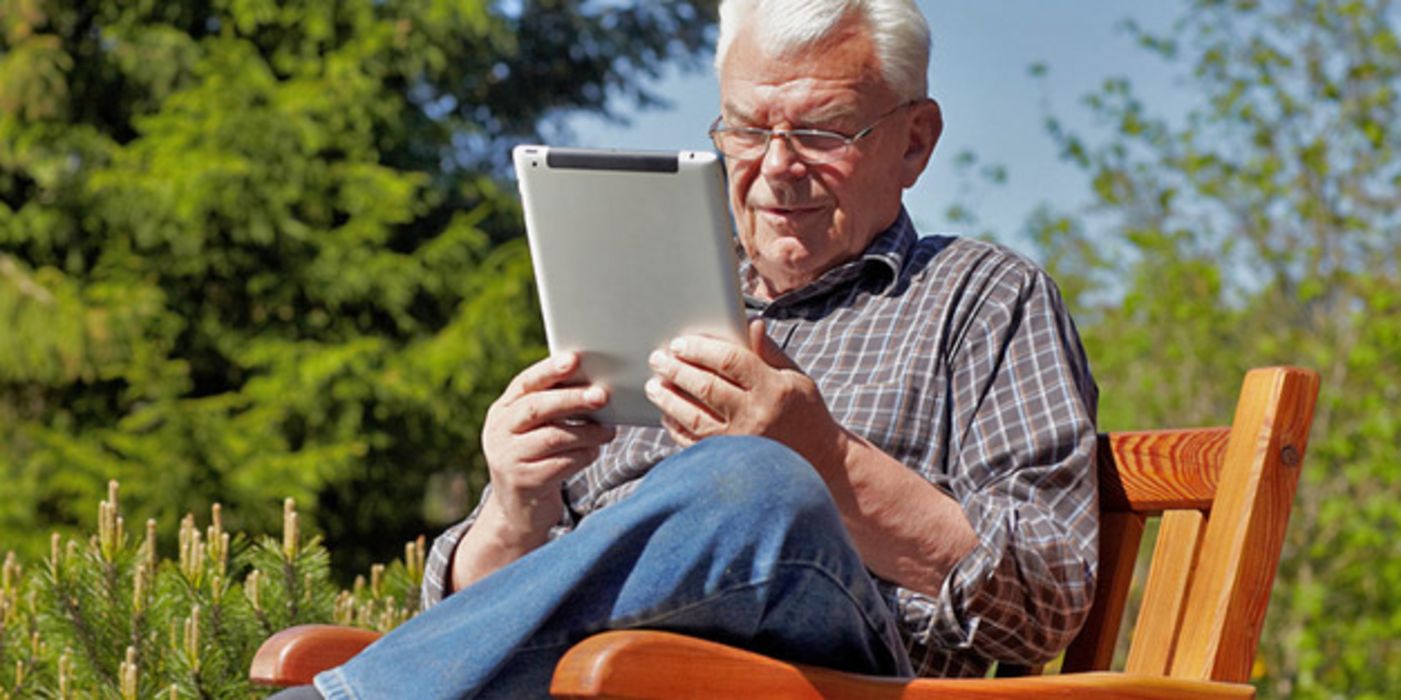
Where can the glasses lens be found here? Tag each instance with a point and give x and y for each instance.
(747, 143)
(740, 143)
(818, 147)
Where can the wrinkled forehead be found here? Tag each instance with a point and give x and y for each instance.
(763, 105)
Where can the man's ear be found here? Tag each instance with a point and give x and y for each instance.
(926, 125)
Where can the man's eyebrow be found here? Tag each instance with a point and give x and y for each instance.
(822, 116)
(832, 114)
(729, 111)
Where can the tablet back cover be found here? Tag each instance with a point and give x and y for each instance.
(630, 250)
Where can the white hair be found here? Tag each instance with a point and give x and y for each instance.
(898, 30)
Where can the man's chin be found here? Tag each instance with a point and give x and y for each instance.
(786, 265)
(811, 230)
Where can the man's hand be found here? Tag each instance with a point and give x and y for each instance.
(706, 386)
(532, 445)
(533, 441)
(905, 528)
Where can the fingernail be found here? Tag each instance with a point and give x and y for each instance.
(676, 345)
(562, 362)
(652, 387)
(656, 359)
(594, 394)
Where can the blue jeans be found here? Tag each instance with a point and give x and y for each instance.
(735, 540)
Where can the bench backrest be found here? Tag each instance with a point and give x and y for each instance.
(1224, 496)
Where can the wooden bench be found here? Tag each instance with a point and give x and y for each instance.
(1224, 497)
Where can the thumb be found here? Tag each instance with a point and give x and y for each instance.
(765, 348)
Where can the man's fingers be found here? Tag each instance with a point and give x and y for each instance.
(682, 410)
(715, 392)
(542, 375)
(564, 464)
(557, 439)
(678, 433)
(730, 361)
(540, 407)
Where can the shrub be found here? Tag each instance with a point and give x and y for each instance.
(110, 618)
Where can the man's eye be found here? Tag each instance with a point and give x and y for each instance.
(821, 142)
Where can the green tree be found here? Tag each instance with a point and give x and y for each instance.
(254, 249)
(1263, 228)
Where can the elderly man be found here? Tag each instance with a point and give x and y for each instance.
(895, 477)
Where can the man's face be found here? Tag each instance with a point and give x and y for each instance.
(797, 219)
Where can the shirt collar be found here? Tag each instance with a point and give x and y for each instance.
(879, 266)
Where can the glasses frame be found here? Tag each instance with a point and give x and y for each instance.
(718, 129)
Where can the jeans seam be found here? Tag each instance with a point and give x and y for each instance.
(833, 578)
(340, 689)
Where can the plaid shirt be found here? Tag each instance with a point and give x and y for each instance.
(957, 358)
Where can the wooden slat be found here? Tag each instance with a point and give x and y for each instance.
(1093, 649)
(1151, 471)
(1239, 555)
(643, 664)
(1165, 593)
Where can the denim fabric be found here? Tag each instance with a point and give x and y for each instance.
(734, 539)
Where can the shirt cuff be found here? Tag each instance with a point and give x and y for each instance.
(437, 571)
(950, 620)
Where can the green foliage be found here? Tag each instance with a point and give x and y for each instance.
(108, 617)
(1262, 229)
(251, 249)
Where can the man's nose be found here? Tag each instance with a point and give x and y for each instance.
(780, 160)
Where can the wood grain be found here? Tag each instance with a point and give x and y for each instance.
(295, 655)
(1165, 593)
(1241, 546)
(1119, 538)
(642, 664)
(1150, 471)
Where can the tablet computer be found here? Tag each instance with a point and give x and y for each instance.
(631, 249)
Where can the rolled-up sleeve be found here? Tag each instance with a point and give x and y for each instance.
(437, 570)
(1021, 463)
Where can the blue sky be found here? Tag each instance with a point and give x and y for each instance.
(992, 106)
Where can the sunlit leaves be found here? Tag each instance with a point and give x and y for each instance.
(252, 248)
(1262, 228)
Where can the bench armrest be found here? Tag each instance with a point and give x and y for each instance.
(295, 655)
(640, 664)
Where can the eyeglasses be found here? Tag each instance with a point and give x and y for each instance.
(809, 145)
